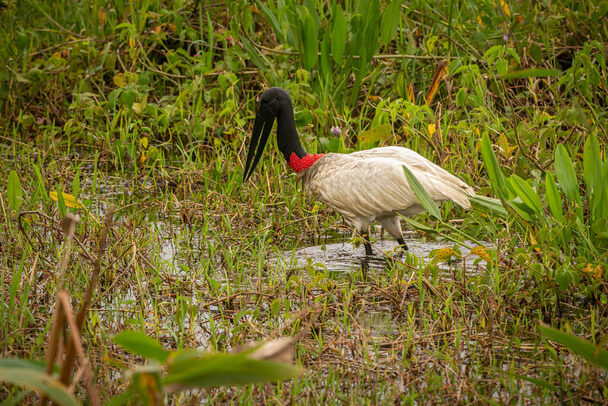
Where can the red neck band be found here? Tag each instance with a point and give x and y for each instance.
(299, 164)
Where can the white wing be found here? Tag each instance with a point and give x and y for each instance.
(371, 183)
(415, 161)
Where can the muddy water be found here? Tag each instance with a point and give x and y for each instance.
(345, 257)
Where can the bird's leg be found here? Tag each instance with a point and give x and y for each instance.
(366, 242)
(402, 244)
(392, 224)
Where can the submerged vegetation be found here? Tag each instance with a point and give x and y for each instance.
(135, 116)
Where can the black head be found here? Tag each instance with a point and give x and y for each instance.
(273, 101)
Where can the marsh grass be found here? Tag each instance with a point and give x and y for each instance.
(142, 114)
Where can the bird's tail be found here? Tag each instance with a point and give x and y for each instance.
(459, 193)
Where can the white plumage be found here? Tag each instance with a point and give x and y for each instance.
(370, 185)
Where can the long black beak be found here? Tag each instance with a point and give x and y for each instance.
(262, 125)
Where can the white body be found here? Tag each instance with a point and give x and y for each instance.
(370, 185)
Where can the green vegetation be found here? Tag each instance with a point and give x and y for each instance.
(135, 116)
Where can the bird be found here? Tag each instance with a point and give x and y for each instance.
(362, 186)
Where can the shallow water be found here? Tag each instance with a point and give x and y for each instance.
(345, 257)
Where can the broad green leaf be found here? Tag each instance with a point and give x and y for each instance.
(566, 175)
(310, 43)
(325, 59)
(139, 343)
(522, 209)
(497, 179)
(338, 35)
(22, 363)
(14, 191)
(526, 194)
(589, 351)
(226, 370)
(489, 205)
(390, 21)
(417, 225)
(421, 194)
(531, 73)
(592, 162)
(372, 30)
(554, 199)
(68, 200)
(35, 378)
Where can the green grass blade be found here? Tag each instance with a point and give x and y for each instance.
(566, 175)
(554, 198)
(538, 382)
(41, 186)
(497, 179)
(325, 58)
(421, 194)
(589, 351)
(61, 202)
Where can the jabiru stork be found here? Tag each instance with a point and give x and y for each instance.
(362, 186)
